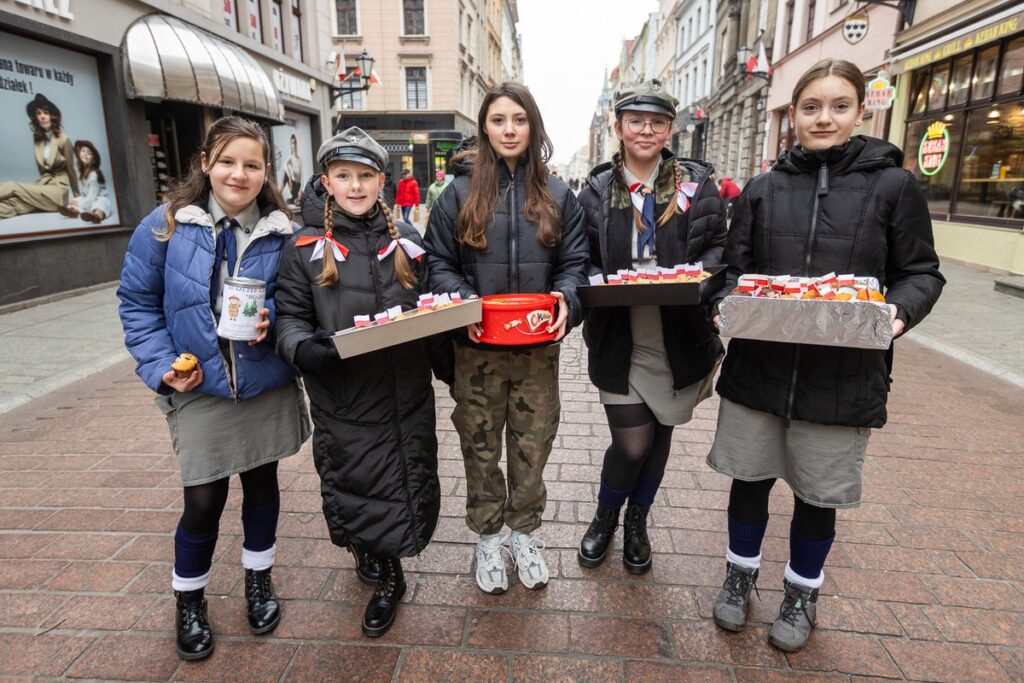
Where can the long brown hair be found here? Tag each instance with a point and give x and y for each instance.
(94, 167)
(841, 68)
(196, 184)
(540, 208)
(329, 275)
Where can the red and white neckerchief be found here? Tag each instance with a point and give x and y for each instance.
(684, 195)
(411, 249)
(340, 252)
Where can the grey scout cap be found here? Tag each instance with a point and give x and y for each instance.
(353, 144)
(647, 96)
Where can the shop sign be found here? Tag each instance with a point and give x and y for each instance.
(879, 94)
(855, 28)
(934, 149)
(58, 8)
(292, 86)
(986, 34)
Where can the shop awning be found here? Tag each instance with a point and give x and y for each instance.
(168, 59)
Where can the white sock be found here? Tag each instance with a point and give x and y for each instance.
(258, 561)
(745, 562)
(192, 583)
(793, 577)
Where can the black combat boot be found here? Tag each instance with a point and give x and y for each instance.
(195, 639)
(380, 611)
(636, 547)
(367, 567)
(264, 611)
(594, 546)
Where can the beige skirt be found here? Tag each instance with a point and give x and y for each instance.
(216, 437)
(821, 463)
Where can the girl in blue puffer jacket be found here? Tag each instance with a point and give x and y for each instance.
(241, 409)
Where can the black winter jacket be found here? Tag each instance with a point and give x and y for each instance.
(850, 209)
(515, 261)
(374, 439)
(698, 235)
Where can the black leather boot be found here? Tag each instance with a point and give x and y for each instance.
(367, 567)
(594, 546)
(195, 639)
(264, 611)
(380, 612)
(636, 547)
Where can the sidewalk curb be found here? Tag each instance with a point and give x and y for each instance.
(60, 380)
(966, 357)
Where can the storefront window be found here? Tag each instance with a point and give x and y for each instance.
(985, 77)
(937, 88)
(1013, 68)
(919, 92)
(992, 168)
(960, 83)
(930, 150)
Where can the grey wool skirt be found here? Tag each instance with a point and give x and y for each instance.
(216, 437)
(821, 463)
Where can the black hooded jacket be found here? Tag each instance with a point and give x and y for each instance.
(697, 235)
(515, 261)
(850, 209)
(374, 439)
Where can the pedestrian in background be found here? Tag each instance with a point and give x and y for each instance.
(729, 189)
(389, 190)
(840, 203)
(507, 226)
(408, 195)
(434, 191)
(241, 408)
(374, 442)
(651, 364)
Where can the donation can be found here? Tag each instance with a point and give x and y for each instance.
(240, 309)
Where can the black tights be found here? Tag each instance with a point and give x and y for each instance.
(748, 504)
(640, 446)
(205, 503)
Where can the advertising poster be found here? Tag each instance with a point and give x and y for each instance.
(293, 155)
(55, 170)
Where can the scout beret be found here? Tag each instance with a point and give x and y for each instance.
(647, 96)
(353, 144)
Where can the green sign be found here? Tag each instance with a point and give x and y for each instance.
(934, 149)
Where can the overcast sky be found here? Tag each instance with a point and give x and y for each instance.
(566, 46)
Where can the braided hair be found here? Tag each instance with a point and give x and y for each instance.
(329, 275)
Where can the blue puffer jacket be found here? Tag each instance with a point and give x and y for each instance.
(165, 303)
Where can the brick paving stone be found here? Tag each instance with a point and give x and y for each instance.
(658, 672)
(101, 613)
(131, 658)
(431, 666)
(945, 662)
(849, 653)
(425, 625)
(985, 626)
(643, 600)
(526, 669)
(518, 631)
(350, 663)
(702, 641)
(744, 675)
(880, 585)
(620, 637)
(27, 610)
(48, 654)
(263, 661)
(27, 574)
(972, 592)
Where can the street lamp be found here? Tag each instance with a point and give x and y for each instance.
(364, 64)
(743, 57)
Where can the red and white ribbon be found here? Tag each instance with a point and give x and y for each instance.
(411, 249)
(340, 252)
(684, 195)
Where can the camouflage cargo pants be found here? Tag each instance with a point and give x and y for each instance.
(514, 391)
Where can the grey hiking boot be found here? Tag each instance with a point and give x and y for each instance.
(797, 617)
(731, 606)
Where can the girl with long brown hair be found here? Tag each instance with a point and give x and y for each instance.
(373, 415)
(507, 226)
(232, 407)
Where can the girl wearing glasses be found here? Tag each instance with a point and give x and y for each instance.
(652, 364)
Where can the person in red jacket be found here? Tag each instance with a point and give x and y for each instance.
(728, 189)
(408, 194)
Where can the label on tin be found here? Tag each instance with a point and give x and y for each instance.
(240, 308)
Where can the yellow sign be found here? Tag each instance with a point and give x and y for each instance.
(986, 34)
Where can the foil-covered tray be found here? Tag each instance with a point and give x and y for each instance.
(852, 324)
(356, 341)
(654, 294)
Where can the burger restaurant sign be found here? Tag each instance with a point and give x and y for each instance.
(934, 149)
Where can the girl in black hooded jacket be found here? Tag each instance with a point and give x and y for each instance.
(374, 440)
(652, 364)
(835, 203)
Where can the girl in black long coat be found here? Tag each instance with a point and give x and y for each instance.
(374, 442)
(839, 203)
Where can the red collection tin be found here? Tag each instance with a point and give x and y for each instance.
(517, 319)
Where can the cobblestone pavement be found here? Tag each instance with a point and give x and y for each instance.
(925, 581)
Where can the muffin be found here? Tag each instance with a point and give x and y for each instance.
(184, 365)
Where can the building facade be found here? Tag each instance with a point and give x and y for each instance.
(435, 60)
(959, 116)
(693, 23)
(141, 81)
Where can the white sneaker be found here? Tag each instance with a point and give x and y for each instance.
(490, 564)
(533, 572)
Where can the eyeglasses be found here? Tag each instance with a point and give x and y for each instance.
(658, 126)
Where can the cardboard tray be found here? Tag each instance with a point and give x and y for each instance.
(667, 294)
(356, 341)
(851, 324)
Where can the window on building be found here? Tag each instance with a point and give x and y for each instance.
(810, 20)
(255, 21)
(919, 92)
(960, 81)
(983, 84)
(686, 89)
(992, 163)
(296, 30)
(937, 87)
(230, 15)
(1013, 68)
(352, 100)
(416, 87)
(276, 31)
(348, 19)
(698, 20)
(689, 31)
(414, 17)
(762, 17)
(787, 37)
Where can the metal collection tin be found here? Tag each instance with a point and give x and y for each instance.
(240, 308)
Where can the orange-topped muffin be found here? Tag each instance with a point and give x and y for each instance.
(184, 365)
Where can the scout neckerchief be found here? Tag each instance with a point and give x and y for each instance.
(340, 252)
(411, 249)
(225, 249)
(643, 199)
